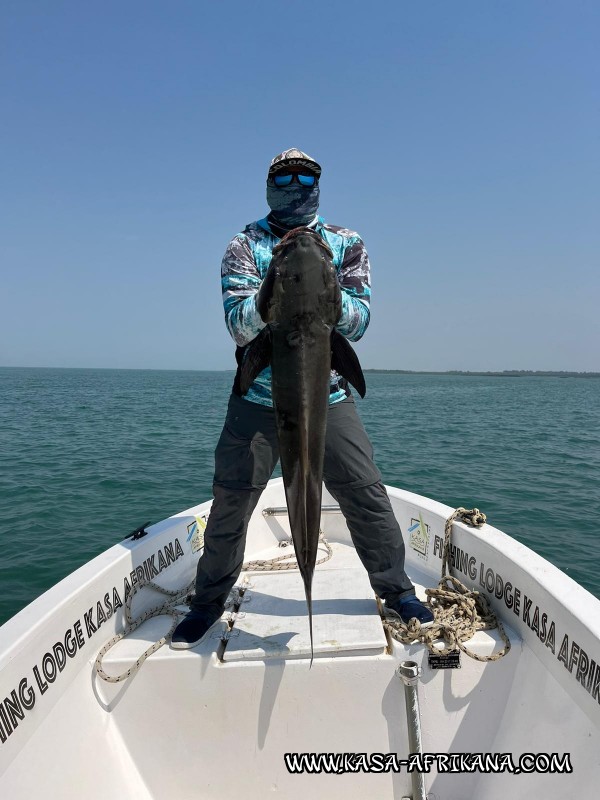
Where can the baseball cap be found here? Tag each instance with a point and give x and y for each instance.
(296, 158)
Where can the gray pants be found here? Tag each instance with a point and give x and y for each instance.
(245, 458)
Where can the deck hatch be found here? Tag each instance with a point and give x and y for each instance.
(275, 625)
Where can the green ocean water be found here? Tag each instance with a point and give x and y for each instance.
(88, 455)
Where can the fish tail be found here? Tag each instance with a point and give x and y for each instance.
(310, 627)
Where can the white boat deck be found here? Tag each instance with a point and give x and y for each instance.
(272, 621)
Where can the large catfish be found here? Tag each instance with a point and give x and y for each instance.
(302, 347)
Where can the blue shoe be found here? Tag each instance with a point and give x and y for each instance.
(409, 607)
(193, 628)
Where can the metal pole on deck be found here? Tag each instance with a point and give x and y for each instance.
(281, 511)
(409, 672)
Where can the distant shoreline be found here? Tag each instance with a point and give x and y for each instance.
(507, 373)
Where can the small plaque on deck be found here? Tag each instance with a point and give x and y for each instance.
(449, 661)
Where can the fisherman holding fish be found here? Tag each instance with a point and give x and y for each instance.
(291, 358)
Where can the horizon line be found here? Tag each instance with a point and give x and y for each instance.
(396, 370)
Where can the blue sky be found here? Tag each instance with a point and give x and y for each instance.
(460, 139)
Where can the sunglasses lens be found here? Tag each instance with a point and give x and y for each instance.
(286, 179)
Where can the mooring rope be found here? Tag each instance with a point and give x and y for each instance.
(458, 611)
(284, 562)
(179, 596)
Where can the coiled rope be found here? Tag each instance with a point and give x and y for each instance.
(179, 596)
(458, 611)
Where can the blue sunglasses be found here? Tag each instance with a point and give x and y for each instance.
(286, 179)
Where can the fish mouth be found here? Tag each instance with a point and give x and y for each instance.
(296, 235)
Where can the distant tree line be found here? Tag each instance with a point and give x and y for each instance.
(507, 373)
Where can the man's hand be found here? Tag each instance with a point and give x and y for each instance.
(337, 298)
(265, 293)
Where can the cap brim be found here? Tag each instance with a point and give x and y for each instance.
(311, 166)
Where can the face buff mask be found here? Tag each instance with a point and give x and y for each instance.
(293, 205)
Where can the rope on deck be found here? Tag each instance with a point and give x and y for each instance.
(177, 596)
(458, 612)
(284, 562)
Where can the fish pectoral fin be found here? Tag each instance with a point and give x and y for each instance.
(345, 361)
(257, 358)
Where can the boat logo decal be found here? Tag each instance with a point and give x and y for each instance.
(196, 533)
(419, 537)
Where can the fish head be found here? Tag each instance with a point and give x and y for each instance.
(306, 280)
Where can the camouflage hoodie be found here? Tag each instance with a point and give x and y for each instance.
(245, 264)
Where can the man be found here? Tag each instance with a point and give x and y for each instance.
(247, 451)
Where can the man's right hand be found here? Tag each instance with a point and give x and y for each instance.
(265, 293)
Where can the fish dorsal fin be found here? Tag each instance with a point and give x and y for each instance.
(257, 358)
(345, 361)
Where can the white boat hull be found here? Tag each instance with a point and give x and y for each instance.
(217, 721)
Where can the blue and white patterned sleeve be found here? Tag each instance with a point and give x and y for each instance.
(355, 281)
(240, 281)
